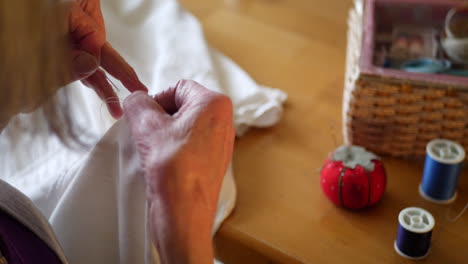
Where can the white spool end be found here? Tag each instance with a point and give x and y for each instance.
(416, 220)
(430, 199)
(445, 151)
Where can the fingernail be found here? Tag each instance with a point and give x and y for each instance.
(85, 64)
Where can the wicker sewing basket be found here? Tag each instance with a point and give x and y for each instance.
(393, 112)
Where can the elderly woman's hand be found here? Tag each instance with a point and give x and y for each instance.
(90, 51)
(184, 137)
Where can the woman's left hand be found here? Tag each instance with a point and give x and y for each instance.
(90, 50)
(184, 138)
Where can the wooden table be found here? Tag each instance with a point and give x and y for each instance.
(281, 214)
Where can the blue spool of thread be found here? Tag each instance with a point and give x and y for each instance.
(444, 160)
(414, 233)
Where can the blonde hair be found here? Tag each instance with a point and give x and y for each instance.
(34, 64)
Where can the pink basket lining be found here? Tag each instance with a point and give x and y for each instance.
(366, 63)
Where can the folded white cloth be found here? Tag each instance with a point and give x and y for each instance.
(94, 199)
(165, 44)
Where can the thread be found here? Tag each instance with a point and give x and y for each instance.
(454, 219)
(333, 133)
(414, 234)
(442, 168)
(112, 83)
(108, 100)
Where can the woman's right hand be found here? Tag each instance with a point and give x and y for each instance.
(90, 51)
(184, 137)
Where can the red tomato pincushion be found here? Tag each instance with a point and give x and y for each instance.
(353, 177)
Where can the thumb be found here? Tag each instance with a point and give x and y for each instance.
(83, 64)
(145, 115)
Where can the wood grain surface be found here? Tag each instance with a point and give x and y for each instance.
(281, 214)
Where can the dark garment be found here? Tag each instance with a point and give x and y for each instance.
(19, 245)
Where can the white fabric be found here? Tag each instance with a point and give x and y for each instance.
(94, 200)
(165, 44)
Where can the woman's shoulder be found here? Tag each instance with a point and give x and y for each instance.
(21, 221)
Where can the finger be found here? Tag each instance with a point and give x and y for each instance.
(93, 8)
(166, 99)
(144, 114)
(192, 97)
(98, 82)
(86, 33)
(83, 65)
(116, 66)
(173, 98)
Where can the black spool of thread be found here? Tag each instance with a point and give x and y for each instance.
(414, 233)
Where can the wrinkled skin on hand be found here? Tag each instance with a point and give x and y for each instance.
(90, 50)
(184, 137)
